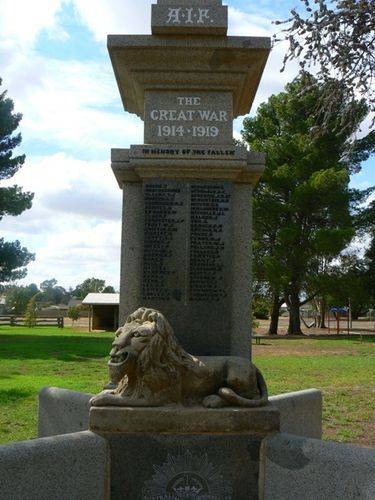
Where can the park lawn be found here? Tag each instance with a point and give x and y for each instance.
(47, 356)
(343, 369)
(34, 358)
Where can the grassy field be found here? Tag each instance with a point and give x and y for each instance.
(343, 369)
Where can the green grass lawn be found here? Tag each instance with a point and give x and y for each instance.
(33, 358)
(343, 369)
(38, 357)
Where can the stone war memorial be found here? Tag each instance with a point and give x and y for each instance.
(185, 408)
(186, 245)
(184, 413)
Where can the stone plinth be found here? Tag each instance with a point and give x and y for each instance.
(72, 466)
(156, 452)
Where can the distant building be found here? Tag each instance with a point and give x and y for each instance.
(2, 304)
(103, 310)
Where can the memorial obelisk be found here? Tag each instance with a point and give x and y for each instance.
(182, 426)
(186, 242)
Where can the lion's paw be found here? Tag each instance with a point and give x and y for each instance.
(102, 399)
(213, 401)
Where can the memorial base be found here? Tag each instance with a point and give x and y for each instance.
(172, 453)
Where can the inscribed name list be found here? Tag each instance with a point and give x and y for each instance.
(188, 117)
(186, 250)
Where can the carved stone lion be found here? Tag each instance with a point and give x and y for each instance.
(148, 367)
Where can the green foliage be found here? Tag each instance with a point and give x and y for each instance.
(53, 294)
(13, 259)
(261, 307)
(352, 279)
(304, 209)
(48, 284)
(91, 285)
(336, 37)
(31, 313)
(74, 313)
(13, 201)
(17, 298)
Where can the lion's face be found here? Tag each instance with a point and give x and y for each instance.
(132, 339)
(145, 346)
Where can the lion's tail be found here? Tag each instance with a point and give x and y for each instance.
(231, 397)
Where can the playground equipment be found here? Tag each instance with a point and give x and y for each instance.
(336, 317)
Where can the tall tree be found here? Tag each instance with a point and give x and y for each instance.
(336, 37)
(90, 285)
(303, 206)
(53, 294)
(351, 280)
(13, 201)
(17, 298)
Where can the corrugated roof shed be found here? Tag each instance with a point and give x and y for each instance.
(98, 299)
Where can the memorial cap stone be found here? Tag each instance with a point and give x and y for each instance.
(196, 63)
(189, 17)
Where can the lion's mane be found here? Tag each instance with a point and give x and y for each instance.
(162, 362)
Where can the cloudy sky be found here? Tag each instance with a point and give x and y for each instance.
(55, 66)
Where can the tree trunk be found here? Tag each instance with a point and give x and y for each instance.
(355, 313)
(322, 313)
(294, 327)
(276, 304)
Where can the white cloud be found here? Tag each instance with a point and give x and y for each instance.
(67, 103)
(74, 225)
(115, 16)
(248, 24)
(60, 176)
(72, 255)
(23, 21)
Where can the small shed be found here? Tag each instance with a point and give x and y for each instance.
(103, 310)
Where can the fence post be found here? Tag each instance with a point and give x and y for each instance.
(12, 321)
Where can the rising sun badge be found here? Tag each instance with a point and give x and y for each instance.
(187, 476)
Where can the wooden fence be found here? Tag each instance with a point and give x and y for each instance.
(20, 321)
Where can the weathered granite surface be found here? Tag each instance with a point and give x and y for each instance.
(150, 467)
(182, 17)
(188, 163)
(294, 407)
(300, 412)
(62, 412)
(217, 461)
(177, 420)
(143, 62)
(295, 468)
(188, 117)
(69, 467)
(202, 279)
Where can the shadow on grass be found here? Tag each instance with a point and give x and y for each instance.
(13, 395)
(53, 347)
(366, 338)
(369, 338)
